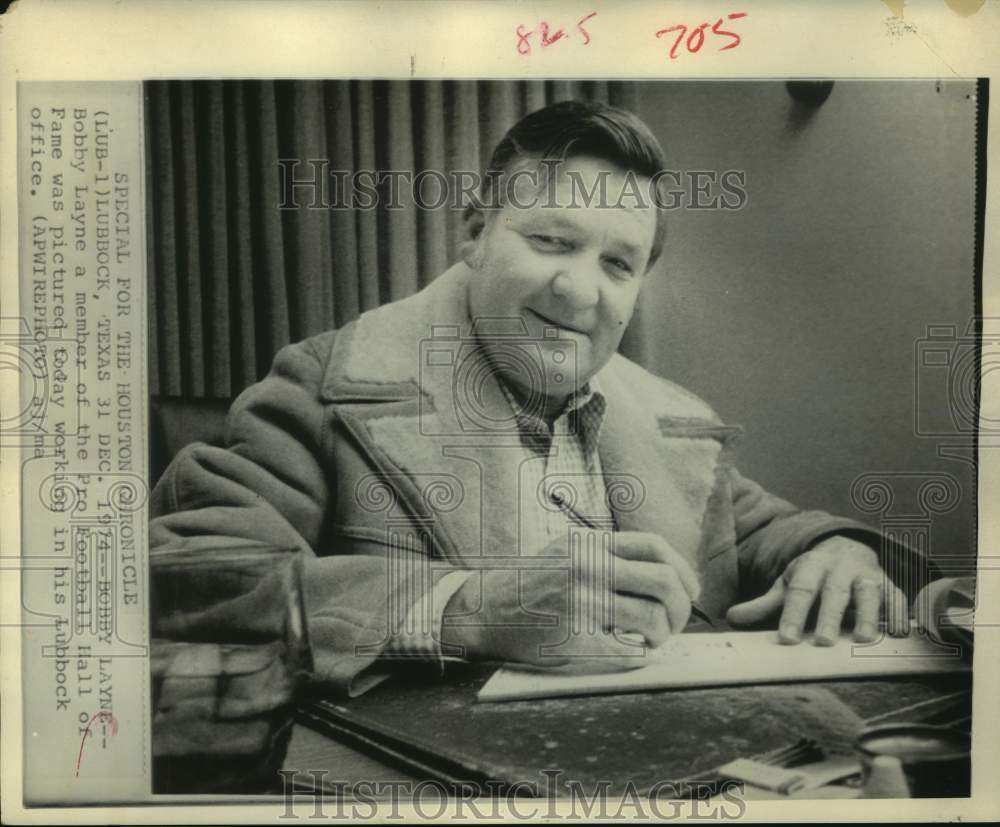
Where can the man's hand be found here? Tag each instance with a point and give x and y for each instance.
(568, 615)
(840, 572)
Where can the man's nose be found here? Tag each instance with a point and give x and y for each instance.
(577, 285)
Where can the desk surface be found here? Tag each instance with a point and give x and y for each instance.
(312, 750)
(642, 737)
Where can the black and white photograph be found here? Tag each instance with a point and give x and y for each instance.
(476, 411)
(563, 436)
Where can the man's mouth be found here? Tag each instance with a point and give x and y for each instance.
(554, 323)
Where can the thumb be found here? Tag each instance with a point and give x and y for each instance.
(760, 608)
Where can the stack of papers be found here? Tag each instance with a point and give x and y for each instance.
(730, 658)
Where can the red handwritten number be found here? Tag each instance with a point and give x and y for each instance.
(696, 39)
(736, 38)
(700, 32)
(680, 37)
(523, 44)
(548, 36)
(583, 31)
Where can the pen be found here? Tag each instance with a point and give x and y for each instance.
(572, 513)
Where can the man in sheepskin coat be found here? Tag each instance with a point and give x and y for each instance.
(475, 472)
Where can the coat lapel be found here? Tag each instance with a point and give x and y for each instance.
(669, 448)
(447, 440)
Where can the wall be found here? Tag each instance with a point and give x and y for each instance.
(798, 315)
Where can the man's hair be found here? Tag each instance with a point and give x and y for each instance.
(572, 128)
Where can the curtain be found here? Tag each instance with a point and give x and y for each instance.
(233, 278)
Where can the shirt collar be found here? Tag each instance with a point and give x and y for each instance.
(583, 414)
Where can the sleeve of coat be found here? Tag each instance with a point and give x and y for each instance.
(270, 484)
(771, 532)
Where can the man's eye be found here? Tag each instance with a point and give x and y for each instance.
(620, 266)
(548, 242)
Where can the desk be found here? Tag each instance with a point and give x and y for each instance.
(644, 737)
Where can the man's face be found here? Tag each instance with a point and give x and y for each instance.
(571, 267)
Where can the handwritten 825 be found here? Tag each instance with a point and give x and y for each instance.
(547, 36)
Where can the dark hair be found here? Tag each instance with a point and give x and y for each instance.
(573, 128)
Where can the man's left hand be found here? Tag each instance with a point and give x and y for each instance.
(839, 572)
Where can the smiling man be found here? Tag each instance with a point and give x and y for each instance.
(443, 460)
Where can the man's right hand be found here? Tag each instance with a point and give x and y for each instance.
(572, 615)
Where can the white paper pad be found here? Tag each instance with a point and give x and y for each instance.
(730, 658)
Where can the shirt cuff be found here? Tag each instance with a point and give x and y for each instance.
(420, 635)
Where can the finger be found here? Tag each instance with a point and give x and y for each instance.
(651, 548)
(590, 609)
(760, 608)
(867, 601)
(834, 597)
(897, 610)
(678, 602)
(647, 617)
(800, 595)
(657, 582)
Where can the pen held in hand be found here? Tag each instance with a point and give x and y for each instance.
(560, 502)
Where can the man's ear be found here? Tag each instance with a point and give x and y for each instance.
(473, 229)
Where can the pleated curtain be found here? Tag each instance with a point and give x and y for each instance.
(233, 278)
